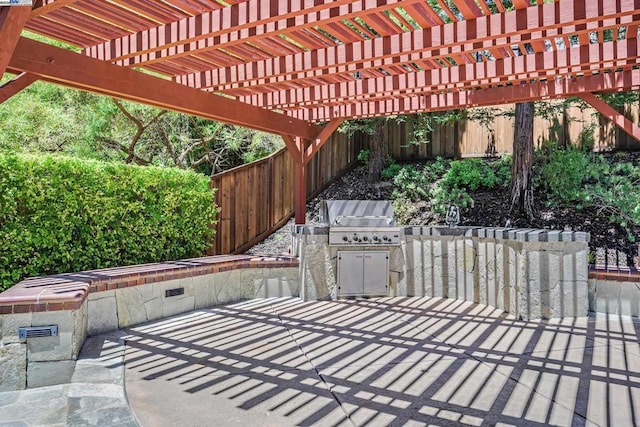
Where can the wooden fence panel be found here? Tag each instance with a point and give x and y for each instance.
(257, 198)
(470, 139)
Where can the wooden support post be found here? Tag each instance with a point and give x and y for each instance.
(606, 110)
(12, 20)
(296, 148)
(14, 86)
(300, 192)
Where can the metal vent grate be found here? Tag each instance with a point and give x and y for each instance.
(37, 332)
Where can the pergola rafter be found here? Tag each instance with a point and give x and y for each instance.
(422, 46)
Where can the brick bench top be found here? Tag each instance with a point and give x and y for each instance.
(69, 290)
(617, 274)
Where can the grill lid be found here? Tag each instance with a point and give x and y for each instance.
(357, 213)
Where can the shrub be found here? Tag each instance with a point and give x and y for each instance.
(562, 174)
(61, 215)
(466, 176)
(363, 156)
(614, 190)
(411, 183)
(391, 170)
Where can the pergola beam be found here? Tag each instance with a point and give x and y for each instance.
(618, 119)
(15, 85)
(65, 67)
(12, 20)
(605, 82)
(557, 63)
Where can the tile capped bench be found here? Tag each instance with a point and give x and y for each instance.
(92, 302)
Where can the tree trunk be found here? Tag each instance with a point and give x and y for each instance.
(377, 152)
(521, 176)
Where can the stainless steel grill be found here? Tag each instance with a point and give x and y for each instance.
(360, 223)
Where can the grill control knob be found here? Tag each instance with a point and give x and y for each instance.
(345, 238)
(365, 238)
(376, 239)
(385, 238)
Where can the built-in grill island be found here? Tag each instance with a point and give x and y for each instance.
(361, 229)
(357, 249)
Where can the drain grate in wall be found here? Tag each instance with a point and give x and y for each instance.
(37, 332)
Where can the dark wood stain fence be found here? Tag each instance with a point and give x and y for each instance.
(257, 198)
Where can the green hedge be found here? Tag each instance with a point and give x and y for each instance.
(63, 215)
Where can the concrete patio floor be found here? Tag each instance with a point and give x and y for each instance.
(387, 361)
(374, 362)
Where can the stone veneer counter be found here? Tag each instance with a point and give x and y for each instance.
(530, 273)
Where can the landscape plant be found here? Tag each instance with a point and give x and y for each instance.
(61, 214)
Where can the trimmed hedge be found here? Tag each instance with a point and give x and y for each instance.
(63, 215)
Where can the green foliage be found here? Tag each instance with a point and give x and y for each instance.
(444, 182)
(576, 178)
(61, 215)
(403, 209)
(561, 174)
(50, 118)
(391, 170)
(587, 138)
(363, 156)
(466, 176)
(411, 183)
(614, 189)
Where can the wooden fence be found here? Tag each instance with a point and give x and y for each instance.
(467, 138)
(257, 198)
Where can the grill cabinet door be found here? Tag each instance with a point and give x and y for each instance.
(376, 273)
(350, 273)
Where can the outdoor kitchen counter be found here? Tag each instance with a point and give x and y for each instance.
(530, 273)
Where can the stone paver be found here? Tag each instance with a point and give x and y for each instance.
(385, 361)
(95, 396)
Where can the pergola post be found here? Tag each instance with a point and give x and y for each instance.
(12, 20)
(295, 146)
(303, 153)
(606, 110)
(300, 192)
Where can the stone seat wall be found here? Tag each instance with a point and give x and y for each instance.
(98, 301)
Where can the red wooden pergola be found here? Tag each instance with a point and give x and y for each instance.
(283, 65)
